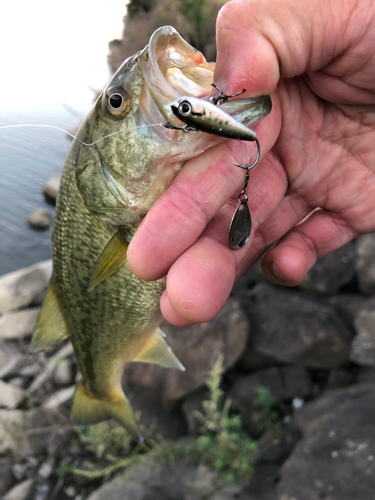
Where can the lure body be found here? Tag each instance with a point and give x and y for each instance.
(207, 117)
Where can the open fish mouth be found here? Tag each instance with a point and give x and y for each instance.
(173, 68)
(182, 67)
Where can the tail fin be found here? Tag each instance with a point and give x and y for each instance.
(87, 409)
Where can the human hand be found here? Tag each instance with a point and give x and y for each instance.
(314, 189)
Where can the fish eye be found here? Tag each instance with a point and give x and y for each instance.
(185, 108)
(116, 101)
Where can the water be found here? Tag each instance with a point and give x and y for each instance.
(49, 57)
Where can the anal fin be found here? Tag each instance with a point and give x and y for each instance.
(88, 409)
(112, 257)
(50, 328)
(158, 352)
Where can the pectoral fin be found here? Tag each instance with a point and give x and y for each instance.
(112, 257)
(87, 409)
(158, 352)
(50, 328)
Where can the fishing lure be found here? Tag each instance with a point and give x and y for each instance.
(205, 116)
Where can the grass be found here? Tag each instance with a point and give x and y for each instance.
(266, 414)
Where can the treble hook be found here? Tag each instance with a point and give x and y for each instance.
(222, 97)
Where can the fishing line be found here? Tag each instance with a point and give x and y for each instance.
(74, 136)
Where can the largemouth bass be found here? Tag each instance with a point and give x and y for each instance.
(106, 189)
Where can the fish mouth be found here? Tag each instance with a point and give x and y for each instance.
(172, 68)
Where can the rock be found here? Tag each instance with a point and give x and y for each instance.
(52, 362)
(63, 373)
(157, 419)
(198, 348)
(40, 219)
(348, 306)
(332, 271)
(275, 449)
(341, 376)
(21, 491)
(181, 482)
(337, 460)
(6, 476)
(363, 346)
(284, 383)
(11, 359)
(16, 431)
(296, 328)
(191, 405)
(366, 375)
(10, 396)
(51, 188)
(317, 411)
(18, 324)
(59, 398)
(365, 263)
(263, 485)
(19, 288)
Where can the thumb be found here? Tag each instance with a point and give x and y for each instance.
(260, 40)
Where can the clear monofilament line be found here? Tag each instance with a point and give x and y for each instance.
(24, 125)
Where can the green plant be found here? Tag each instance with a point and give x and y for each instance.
(266, 414)
(224, 443)
(108, 448)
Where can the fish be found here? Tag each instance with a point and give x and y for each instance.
(121, 162)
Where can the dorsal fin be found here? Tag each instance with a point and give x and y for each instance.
(158, 352)
(50, 328)
(112, 257)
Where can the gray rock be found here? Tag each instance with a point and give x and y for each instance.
(21, 491)
(51, 188)
(348, 306)
(156, 418)
(340, 377)
(11, 359)
(6, 475)
(183, 481)
(363, 346)
(59, 398)
(332, 271)
(63, 373)
(296, 328)
(197, 347)
(365, 263)
(317, 411)
(337, 460)
(10, 396)
(191, 405)
(51, 364)
(275, 449)
(366, 375)
(284, 383)
(40, 219)
(19, 288)
(18, 324)
(28, 432)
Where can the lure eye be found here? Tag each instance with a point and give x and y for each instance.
(185, 108)
(116, 101)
